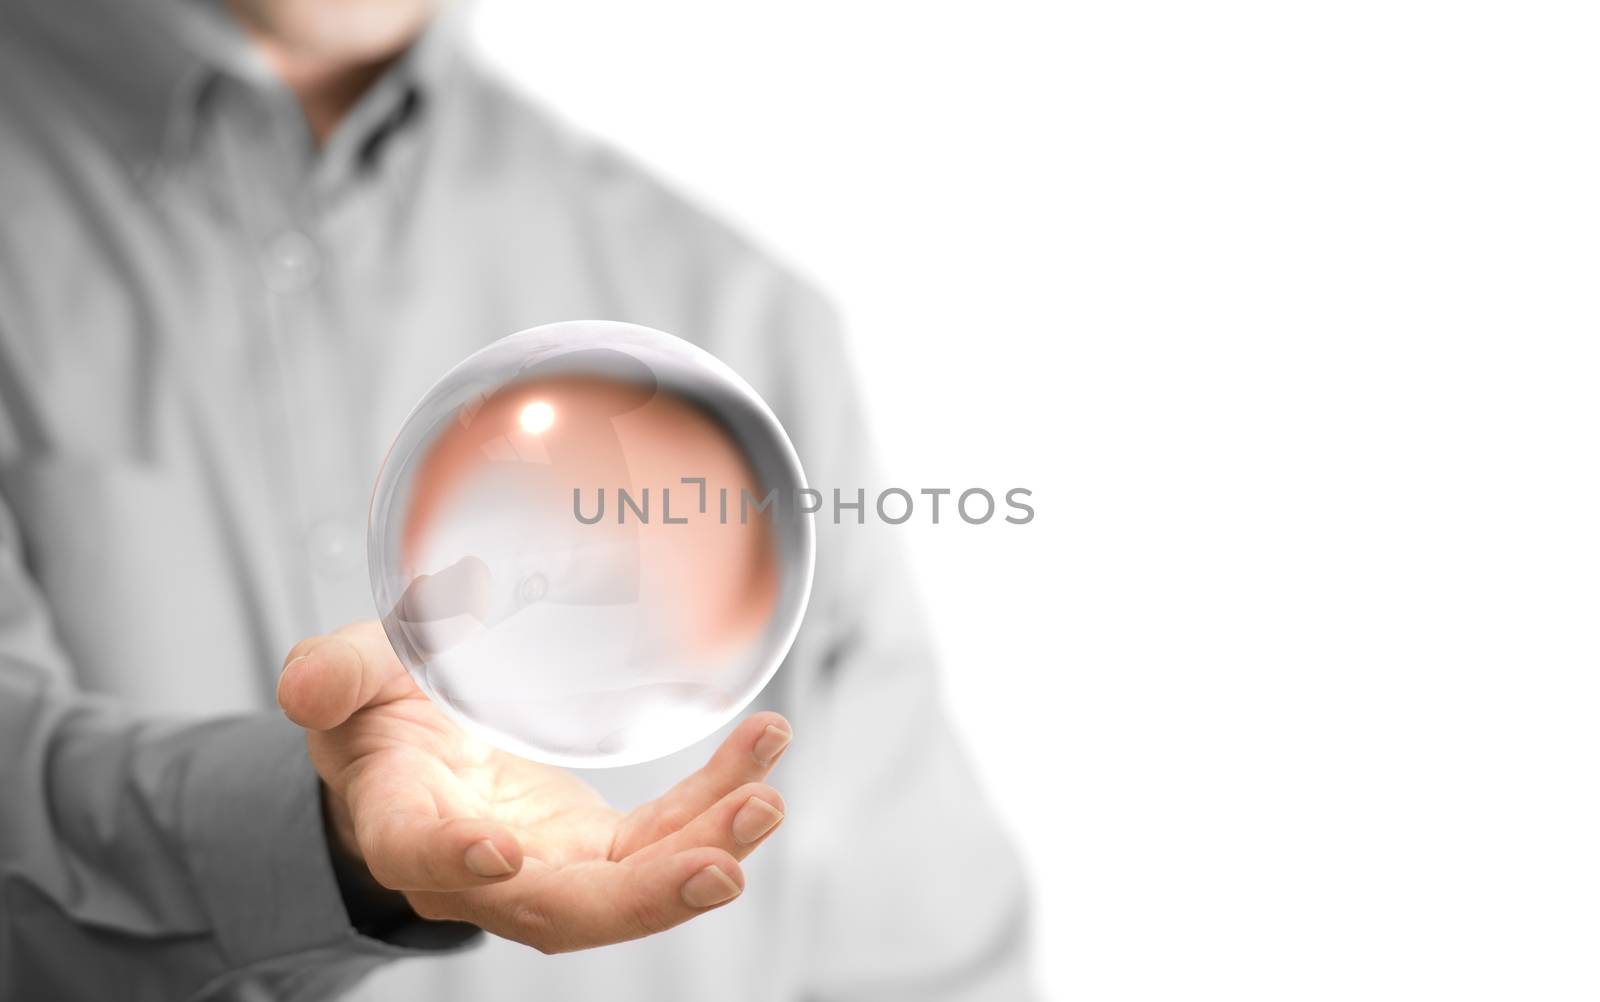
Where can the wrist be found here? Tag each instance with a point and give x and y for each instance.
(373, 910)
(341, 827)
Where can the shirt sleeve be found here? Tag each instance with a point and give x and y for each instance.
(142, 859)
(916, 890)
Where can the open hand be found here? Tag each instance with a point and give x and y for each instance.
(526, 851)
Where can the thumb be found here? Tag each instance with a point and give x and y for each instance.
(326, 679)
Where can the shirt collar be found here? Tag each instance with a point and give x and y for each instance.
(144, 66)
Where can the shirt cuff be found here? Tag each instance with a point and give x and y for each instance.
(252, 825)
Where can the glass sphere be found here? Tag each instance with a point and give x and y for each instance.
(573, 550)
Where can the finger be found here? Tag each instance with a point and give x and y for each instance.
(409, 847)
(746, 756)
(326, 679)
(595, 904)
(735, 824)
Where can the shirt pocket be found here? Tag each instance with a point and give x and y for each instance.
(133, 565)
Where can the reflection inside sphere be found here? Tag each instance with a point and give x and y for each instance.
(561, 553)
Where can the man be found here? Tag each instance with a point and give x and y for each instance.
(236, 243)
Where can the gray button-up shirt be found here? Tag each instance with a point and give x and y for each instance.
(209, 328)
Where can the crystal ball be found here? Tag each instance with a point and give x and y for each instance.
(585, 544)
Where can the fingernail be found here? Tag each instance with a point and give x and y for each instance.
(485, 860)
(771, 744)
(755, 819)
(278, 689)
(709, 887)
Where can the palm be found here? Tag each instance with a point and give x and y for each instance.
(557, 816)
(400, 773)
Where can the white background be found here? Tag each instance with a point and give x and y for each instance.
(1285, 312)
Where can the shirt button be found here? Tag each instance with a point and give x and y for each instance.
(290, 262)
(334, 549)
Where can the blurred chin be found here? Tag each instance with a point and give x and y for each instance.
(342, 29)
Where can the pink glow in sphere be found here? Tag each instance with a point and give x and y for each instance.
(570, 551)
